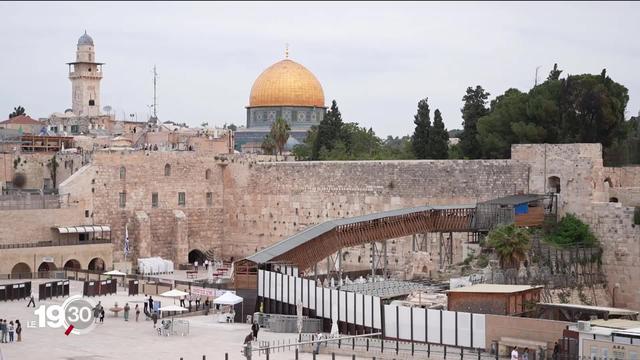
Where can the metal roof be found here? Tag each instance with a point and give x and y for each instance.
(82, 229)
(610, 310)
(314, 231)
(515, 199)
(494, 289)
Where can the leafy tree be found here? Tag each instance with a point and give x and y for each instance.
(17, 111)
(232, 127)
(455, 152)
(268, 145)
(280, 134)
(511, 243)
(555, 73)
(206, 124)
(571, 231)
(420, 137)
(328, 131)
(473, 109)
(455, 133)
(438, 138)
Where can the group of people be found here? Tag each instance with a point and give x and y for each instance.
(206, 265)
(9, 331)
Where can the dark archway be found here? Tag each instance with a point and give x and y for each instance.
(72, 264)
(196, 255)
(21, 270)
(553, 184)
(96, 264)
(207, 174)
(613, 199)
(608, 181)
(47, 266)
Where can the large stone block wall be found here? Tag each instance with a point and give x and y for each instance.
(620, 238)
(266, 202)
(34, 225)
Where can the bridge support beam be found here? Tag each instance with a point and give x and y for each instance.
(379, 260)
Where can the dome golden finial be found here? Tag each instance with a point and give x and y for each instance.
(286, 50)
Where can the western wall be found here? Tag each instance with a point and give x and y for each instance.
(253, 204)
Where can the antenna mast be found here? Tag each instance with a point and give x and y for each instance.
(155, 102)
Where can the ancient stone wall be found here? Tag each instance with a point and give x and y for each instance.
(266, 202)
(34, 225)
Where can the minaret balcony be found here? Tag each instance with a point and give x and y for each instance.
(85, 74)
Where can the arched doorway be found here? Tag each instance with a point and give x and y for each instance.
(44, 268)
(96, 264)
(613, 199)
(553, 185)
(72, 264)
(608, 184)
(21, 271)
(196, 255)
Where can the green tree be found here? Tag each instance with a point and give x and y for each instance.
(555, 73)
(510, 243)
(280, 134)
(474, 108)
(571, 231)
(420, 137)
(232, 127)
(268, 145)
(17, 111)
(329, 131)
(438, 138)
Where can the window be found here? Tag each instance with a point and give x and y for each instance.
(553, 184)
(92, 102)
(207, 174)
(209, 199)
(74, 129)
(167, 170)
(86, 213)
(123, 172)
(123, 199)
(182, 198)
(154, 200)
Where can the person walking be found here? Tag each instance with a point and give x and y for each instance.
(206, 265)
(19, 330)
(525, 354)
(154, 317)
(102, 316)
(195, 264)
(150, 304)
(11, 329)
(182, 300)
(514, 353)
(3, 331)
(31, 300)
(255, 328)
(126, 311)
(137, 312)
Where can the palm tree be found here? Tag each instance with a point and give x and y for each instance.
(511, 243)
(280, 134)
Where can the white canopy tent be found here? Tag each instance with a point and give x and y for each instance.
(174, 293)
(232, 299)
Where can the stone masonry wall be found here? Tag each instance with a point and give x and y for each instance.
(266, 202)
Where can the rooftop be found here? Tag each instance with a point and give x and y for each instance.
(516, 199)
(620, 324)
(494, 289)
(21, 120)
(610, 310)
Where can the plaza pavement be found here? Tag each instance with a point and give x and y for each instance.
(117, 339)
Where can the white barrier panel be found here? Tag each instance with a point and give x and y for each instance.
(351, 307)
(334, 306)
(343, 305)
(464, 329)
(272, 281)
(292, 286)
(449, 327)
(327, 303)
(419, 326)
(279, 287)
(390, 321)
(319, 302)
(260, 282)
(298, 290)
(478, 330)
(433, 326)
(305, 293)
(360, 309)
(312, 295)
(377, 321)
(368, 310)
(404, 316)
(285, 289)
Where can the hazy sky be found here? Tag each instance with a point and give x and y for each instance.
(376, 59)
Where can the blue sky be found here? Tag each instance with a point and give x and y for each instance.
(376, 59)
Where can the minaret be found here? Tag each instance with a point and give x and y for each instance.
(85, 79)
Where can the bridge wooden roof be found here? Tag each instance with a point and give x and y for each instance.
(317, 242)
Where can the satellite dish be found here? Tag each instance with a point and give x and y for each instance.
(107, 108)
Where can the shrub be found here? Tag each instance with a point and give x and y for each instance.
(482, 261)
(571, 231)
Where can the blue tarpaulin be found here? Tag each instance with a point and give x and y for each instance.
(522, 209)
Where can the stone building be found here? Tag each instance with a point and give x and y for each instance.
(85, 75)
(284, 90)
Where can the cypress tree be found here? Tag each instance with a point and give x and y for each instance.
(420, 137)
(329, 131)
(438, 138)
(474, 108)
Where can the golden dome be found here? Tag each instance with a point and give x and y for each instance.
(286, 83)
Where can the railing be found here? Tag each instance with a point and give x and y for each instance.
(55, 243)
(27, 201)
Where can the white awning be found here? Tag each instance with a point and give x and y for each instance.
(83, 229)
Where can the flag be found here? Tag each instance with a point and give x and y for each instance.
(126, 241)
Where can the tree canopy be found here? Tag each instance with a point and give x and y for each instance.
(280, 134)
(510, 243)
(474, 108)
(17, 111)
